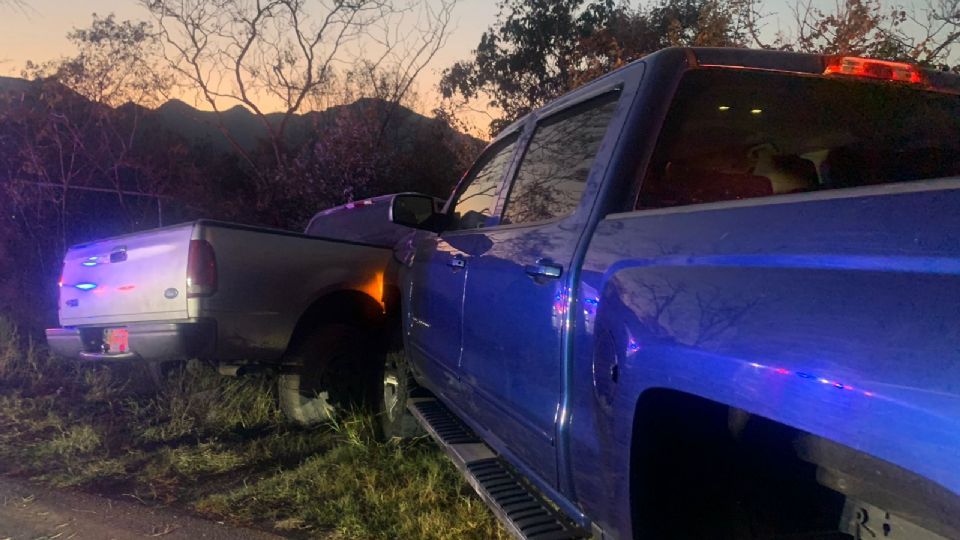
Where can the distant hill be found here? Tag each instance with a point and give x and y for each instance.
(201, 128)
(13, 84)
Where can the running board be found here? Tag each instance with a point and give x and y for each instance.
(523, 511)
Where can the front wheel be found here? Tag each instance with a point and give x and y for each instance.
(395, 420)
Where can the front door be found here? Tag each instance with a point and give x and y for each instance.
(434, 279)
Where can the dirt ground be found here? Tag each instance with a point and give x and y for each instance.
(31, 512)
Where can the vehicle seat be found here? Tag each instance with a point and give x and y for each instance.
(684, 184)
(790, 174)
(923, 163)
(845, 167)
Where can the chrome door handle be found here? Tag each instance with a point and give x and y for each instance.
(544, 268)
(456, 262)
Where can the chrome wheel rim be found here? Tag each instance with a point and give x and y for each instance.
(391, 392)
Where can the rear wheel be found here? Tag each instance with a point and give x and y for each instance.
(140, 378)
(738, 474)
(159, 371)
(328, 372)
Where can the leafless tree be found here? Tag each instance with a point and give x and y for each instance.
(18, 4)
(78, 127)
(936, 31)
(926, 33)
(286, 55)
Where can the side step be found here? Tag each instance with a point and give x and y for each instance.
(523, 511)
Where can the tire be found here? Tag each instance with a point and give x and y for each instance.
(739, 475)
(139, 379)
(328, 372)
(395, 420)
(159, 371)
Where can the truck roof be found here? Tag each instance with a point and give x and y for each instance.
(737, 58)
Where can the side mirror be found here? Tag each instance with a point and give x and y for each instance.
(417, 211)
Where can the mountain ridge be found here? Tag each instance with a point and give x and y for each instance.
(202, 127)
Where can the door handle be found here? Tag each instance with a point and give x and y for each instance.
(456, 262)
(544, 268)
(119, 254)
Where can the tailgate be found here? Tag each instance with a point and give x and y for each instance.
(137, 277)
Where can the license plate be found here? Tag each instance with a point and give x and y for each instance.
(116, 340)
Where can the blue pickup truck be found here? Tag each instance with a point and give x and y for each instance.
(712, 294)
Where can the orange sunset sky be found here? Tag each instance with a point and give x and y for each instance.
(37, 31)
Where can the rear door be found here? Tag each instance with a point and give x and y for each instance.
(516, 296)
(436, 276)
(133, 278)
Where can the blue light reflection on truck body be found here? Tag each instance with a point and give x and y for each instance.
(825, 312)
(810, 377)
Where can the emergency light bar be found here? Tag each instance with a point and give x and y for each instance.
(874, 69)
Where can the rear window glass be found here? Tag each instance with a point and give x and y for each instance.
(740, 134)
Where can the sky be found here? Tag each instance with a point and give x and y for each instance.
(38, 32)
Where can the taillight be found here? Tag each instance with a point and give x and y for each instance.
(358, 204)
(874, 69)
(201, 269)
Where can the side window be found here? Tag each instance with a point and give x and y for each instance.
(553, 173)
(472, 205)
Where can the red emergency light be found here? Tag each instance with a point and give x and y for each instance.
(874, 69)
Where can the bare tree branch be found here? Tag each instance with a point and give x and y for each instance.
(279, 55)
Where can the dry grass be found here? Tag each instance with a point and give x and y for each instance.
(220, 446)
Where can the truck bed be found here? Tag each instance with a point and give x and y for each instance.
(257, 284)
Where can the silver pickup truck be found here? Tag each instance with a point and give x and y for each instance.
(309, 304)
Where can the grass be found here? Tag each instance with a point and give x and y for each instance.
(221, 448)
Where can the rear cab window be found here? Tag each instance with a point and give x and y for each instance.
(737, 134)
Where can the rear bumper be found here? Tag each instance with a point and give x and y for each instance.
(147, 341)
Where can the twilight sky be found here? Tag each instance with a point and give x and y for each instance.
(38, 32)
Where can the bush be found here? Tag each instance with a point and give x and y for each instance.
(24, 364)
(9, 347)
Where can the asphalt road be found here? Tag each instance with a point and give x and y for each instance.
(29, 512)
